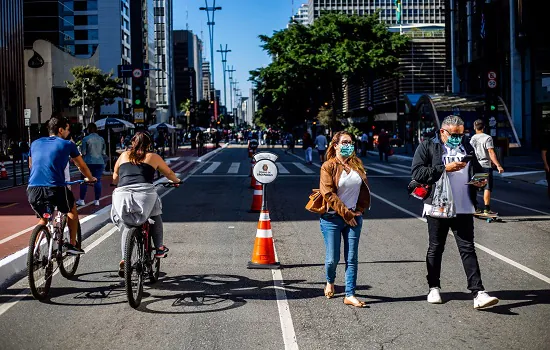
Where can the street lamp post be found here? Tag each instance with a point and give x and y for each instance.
(211, 9)
(83, 101)
(230, 71)
(224, 66)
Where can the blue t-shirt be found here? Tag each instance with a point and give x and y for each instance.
(50, 156)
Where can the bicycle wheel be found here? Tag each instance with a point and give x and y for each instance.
(134, 264)
(39, 267)
(154, 269)
(69, 263)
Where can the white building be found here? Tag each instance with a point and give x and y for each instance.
(413, 11)
(301, 16)
(166, 104)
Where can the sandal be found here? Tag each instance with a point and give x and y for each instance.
(360, 304)
(329, 293)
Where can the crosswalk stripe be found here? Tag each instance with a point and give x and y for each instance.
(303, 168)
(211, 168)
(392, 168)
(234, 168)
(282, 169)
(408, 167)
(371, 168)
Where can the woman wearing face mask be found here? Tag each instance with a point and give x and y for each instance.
(344, 188)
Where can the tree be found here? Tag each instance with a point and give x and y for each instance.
(185, 107)
(312, 64)
(97, 87)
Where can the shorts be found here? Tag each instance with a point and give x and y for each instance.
(321, 152)
(44, 199)
(489, 186)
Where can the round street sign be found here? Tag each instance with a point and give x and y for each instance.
(492, 84)
(137, 73)
(265, 171)
(492, 75)
(265, 155)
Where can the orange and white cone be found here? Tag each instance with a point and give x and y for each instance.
(263, 255)
(252, 179)
(3, 172)
(257, 197)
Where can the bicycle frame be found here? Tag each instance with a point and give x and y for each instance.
(56, 226)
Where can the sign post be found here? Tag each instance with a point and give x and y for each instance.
(265, 171)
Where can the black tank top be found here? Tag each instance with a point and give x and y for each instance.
(131, 174)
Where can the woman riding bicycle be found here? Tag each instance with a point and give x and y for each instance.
(135, 200)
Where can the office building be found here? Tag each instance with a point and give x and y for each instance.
(413, 11)
(12, 80)
(188, 66)
(206, 83)
(509, 39)
(51, 20)
(251, 107)
(166, 106)
(302, 16)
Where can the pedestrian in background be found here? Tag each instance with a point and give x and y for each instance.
(383, 144)
(93, 151)
(434, 158)
(364, 144)
(307, 145)
(546, 159)
(485, 153)
(344, 188)
(321, 145)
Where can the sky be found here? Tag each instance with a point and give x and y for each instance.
(238, 25)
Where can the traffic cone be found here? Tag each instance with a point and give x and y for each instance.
(3, 172)
(252, 179)
(263, 255)
(256, 199)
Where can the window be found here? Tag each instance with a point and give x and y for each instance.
(93, 34)
(80, 21)
(92, 20)
(81, 35)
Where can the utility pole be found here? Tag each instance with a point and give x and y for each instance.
(212, 9)
(230, 71)
(224, 66)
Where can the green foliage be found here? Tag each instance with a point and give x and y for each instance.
(352, 129)
(311, 62)
(100, 88)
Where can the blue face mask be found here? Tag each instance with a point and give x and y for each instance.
(454, 141)
(346, 150)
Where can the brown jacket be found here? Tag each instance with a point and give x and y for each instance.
(330, 176)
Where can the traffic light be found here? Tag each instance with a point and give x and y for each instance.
(137, 94)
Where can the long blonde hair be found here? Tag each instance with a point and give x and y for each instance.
(353, 161)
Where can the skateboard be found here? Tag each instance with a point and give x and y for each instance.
(488, 217)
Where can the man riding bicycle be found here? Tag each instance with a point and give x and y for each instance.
(47, 161)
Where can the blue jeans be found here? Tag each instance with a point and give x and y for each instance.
(333, 228)
(97, 172)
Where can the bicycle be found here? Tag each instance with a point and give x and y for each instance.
(140, 260)
(46, 246)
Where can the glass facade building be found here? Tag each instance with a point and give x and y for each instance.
(12, 79)
(51, 20)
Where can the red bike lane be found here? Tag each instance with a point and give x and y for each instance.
(17, 219)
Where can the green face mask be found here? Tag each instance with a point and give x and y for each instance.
(346, 150)
(454, 141)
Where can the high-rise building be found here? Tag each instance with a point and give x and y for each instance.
(166, 106)
(51, 20)
(149, 56)
(206, 84)
(12, 80)
(302, 16)
(187, 66)
(413, 11)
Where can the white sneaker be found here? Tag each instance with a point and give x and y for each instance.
(96, 203)
(80, 202)
(434, 297)
(484, 300)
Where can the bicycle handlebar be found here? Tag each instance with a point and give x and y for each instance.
(77, 182)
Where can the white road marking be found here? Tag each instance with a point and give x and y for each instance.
(303, 168)
(282, 169)
(287, 326)
(481, 247)
(407, 167)
(234, 168)
(393, 168)
(521, 206)
(371, 168)
(212, 167)
(519, 173)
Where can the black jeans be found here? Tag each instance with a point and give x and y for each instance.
(463, 229)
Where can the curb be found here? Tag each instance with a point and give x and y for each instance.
(14, 266)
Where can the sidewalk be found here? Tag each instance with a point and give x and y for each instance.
(17, 219)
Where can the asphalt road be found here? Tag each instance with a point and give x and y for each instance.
(207, 299)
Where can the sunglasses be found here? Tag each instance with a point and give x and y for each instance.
(453, 135)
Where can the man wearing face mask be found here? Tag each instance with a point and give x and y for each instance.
(449, 152)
